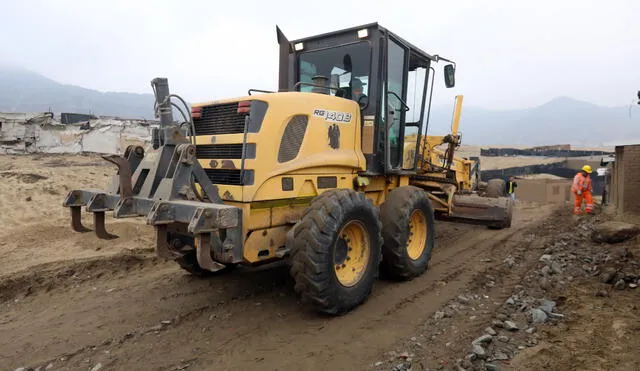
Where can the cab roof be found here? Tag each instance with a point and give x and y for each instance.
(375, 26)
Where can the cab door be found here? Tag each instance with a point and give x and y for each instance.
(394, 107)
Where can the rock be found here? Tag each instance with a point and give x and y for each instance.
(404, 355)
(49, 366)
(502, 316)
(28, 199)
(545, 258)
(23, 369)
(608, 275)
(614, 232)
(497, 323)
(602, 293)
(484, 339)
(97, 367)
(556, 268)
(537, 315)
(510, 326)
(509, 262)
(167, 322)
(510, 301)
(414, 339)
(438, 316)
(633, 285)
(620, 285)
(546, 270)
(544, 283)
(503, 339)
(522, 347)
(470, 357)
(490, 331)
(156, 328)
(463, 299)
(491, 367)
(500, 356)
(547, 305)
(479, 351)
(530, 330)
(378, 364)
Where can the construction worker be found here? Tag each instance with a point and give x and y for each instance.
(581, 189)
(511, 187)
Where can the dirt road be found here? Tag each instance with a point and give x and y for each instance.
(73, 302)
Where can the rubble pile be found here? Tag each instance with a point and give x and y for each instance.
(592, 249)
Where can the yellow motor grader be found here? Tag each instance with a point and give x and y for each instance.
(318, 173)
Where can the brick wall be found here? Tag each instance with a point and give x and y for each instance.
(631, 180)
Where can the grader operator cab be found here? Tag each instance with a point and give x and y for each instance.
(331, 173)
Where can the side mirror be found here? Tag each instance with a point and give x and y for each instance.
(449, 76)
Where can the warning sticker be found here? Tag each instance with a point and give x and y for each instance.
(333, 116)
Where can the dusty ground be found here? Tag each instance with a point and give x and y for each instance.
(72, 302)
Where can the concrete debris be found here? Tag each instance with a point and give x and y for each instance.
(608, 275)
(479, 351)
(509, 261)
(482, 340)
(500, 356)
(537, 315)
(530, 330)
(545, 258)
(547, 305)
(36, 132)
(510, 326)
(614, 232)
(490, 331)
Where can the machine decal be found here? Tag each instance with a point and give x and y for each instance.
(333, 116)
(334, 136)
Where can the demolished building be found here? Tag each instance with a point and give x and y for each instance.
(45, 132)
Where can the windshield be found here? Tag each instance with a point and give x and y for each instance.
(347, 67)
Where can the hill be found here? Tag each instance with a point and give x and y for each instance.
(561, 121)
(25, 91)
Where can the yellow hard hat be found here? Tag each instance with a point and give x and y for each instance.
(587, 169)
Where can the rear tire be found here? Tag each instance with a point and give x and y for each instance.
(335, 251)
(408, 232)
(496, 188)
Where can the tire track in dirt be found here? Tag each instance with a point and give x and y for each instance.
(244, 320)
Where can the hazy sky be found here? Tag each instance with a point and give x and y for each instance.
(510, 54)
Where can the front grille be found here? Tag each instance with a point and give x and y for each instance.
(220, 119)
(224, 176)
(225, 151)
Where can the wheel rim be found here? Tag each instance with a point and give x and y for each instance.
(417, 234)
(351, 254)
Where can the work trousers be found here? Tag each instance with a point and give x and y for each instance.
(588, 200)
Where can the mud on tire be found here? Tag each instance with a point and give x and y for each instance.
(400, 208)
(317, 246)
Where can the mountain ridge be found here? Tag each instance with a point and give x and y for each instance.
(561, 120)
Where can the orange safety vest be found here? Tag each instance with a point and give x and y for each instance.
(580, 182)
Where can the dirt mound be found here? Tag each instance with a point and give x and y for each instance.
(45, 277)
(22, 177)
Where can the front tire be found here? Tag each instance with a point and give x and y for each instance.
(408, 233)
(496, 188)
(335, 251)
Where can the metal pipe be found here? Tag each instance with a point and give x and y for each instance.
(163, 101)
